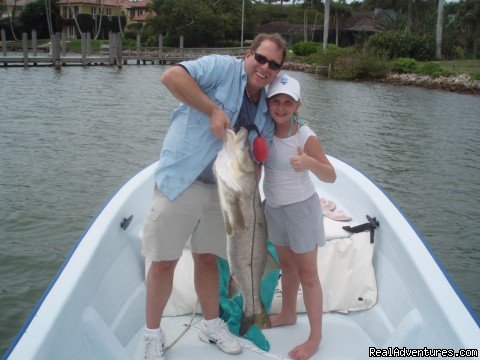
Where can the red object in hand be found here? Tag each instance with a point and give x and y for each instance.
(260, 149)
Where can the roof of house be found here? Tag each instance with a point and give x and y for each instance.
(368, 21)
(281, 27)
(143, 4)
(19, 2)
(146, 16)
(121, 3)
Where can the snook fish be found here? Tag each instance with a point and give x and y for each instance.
(245, 225)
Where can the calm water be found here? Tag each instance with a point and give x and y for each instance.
(69, 139)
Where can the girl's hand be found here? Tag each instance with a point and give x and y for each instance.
(301, 162)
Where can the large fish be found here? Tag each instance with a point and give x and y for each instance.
(245, 225)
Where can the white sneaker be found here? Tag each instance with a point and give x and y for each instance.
(154, 346)
(220, 336)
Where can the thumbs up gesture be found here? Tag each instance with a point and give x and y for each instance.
(301, 162)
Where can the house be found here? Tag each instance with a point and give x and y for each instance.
(95, 8)
(363, 24)
(139, 12)
(13, 6)
(352, 30)
(291, 33)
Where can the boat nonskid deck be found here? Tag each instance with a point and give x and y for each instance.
(337, 327)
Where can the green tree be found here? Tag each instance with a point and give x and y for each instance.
(201, 22)
(461, 29)
(34, 16)
(341, 10)
(470, 19)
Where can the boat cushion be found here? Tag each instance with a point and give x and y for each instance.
(346, 272)
(344, 264)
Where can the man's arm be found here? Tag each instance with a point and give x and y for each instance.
(184, 87)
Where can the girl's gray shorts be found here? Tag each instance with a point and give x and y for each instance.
(298, 225)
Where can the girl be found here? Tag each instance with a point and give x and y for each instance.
(294, 216)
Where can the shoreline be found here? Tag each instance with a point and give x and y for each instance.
(459, 83)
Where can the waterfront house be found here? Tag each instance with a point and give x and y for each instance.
(13, 7)
(139, 12)
(89, 11)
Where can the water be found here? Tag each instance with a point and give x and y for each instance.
(69, 139)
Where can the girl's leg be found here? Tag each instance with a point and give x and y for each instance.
(306, 264)
(290, 283)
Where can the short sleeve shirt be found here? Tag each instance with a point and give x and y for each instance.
(189, 145)
(283, 185)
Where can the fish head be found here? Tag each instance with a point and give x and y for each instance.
(242, 151)
(234, 167)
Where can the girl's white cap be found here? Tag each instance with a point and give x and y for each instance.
(284, 84)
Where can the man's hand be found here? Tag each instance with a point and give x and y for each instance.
(219, 121)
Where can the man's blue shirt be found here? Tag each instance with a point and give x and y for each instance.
(190, 146)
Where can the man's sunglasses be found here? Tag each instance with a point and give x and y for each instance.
(263, 60)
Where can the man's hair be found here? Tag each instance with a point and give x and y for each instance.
(275, 38)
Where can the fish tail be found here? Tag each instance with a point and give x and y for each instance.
(247, 323)
(262, 320)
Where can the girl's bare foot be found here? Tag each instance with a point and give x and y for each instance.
(304, 351)
(281, 319)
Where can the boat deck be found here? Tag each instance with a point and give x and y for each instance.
(337, 328)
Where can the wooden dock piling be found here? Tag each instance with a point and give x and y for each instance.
(56, 51)
(119, 50)
(89, 44)
(63, 45)
(138, 48)
(84, 49)
(160, 48)
(34, 44)
(25, 48)
(4, 42)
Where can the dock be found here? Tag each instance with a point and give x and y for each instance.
(112, 54)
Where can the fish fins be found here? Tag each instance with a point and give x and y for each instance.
(232, 287)
(233, 216)
(262, 320)
(237, 214)
(228, 226)
(270, 265)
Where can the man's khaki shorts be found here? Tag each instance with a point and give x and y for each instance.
(194, 215)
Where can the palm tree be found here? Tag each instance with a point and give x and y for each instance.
(306, 3)
(326, 24)
(341, 10)
(12, 19)
(318, 7)
(438, 49)
(470, 11)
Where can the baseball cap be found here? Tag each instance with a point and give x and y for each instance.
(284, 84)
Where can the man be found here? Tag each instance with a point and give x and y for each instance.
(216, 92)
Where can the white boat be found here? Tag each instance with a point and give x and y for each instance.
(95, 306)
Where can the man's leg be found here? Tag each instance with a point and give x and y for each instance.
(206, 284)
(159, 288)
(213, 329)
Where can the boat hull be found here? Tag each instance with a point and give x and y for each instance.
(95, 306)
